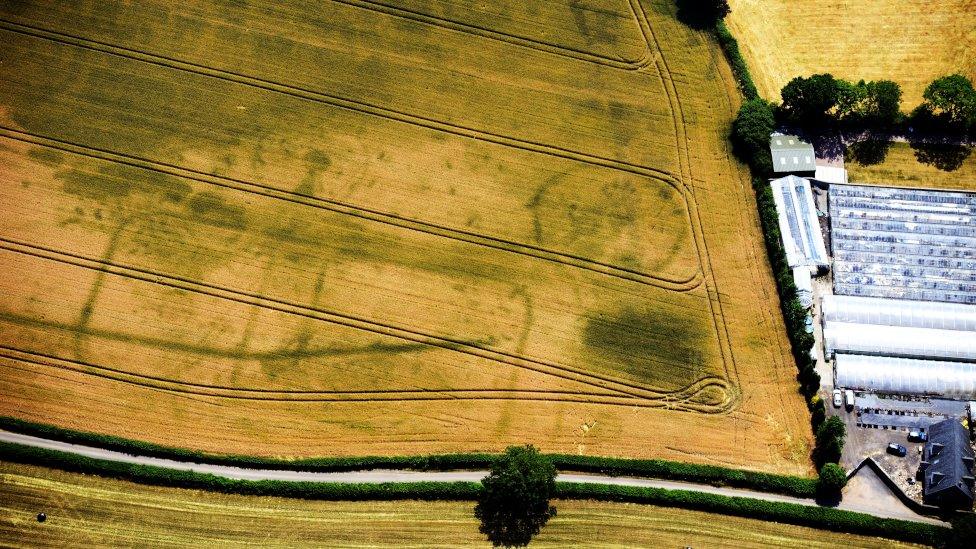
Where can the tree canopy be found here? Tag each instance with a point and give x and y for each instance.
(514, 501)
(702, 13)
(809, 100)
(832, 480)
(750, 133)
(830, 440)
(952, 96)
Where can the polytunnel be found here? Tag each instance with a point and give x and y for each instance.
(906, 375)
(900, 312)
(902, 341)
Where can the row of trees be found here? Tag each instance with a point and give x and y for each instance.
(822, 99)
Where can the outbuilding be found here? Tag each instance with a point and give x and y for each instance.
(791, 154)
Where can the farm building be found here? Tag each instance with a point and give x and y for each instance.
(947, 466)
(890, 375)
(791, 154)
(903, 243)
(899, 312)
(798, 223)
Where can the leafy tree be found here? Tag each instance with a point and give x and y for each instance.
(750, 134)
(830, 441)
(832, 480)
(702, 13)
(953, 97)
(514, 501)
(808, 100)
(850, 99)
(882, 102)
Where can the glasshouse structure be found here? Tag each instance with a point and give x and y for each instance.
(903, 243)
(798, 223)
(899, 312)
(906, 375)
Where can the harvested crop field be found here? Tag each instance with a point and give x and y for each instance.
(911, 43)
(375, 229)
(90, 511)
(946, 167)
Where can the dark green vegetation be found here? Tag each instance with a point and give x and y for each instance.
(816, 517)
(830, 441)
(702, 14)
(514, 502)
(822, 99)
(832, 480)
(951, 99)
(826, 518)
(652, 468)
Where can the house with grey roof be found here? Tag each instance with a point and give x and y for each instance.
(791, 154)
(947, 466)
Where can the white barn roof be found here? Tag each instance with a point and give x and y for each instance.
(798, 223)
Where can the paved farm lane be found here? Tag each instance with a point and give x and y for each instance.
(383, 475)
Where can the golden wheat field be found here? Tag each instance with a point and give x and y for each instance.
(911, 43)
(906, 165)
(92, 512)
(353, 227)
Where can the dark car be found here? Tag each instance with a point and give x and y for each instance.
(897, 450)
(917, 436)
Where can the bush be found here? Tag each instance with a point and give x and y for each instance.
(832, 480)
(750, 134)
(702, 14)
(830, 441)
(730, 46)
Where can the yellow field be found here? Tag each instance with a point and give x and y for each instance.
(372, 229)
(902, 168)
(94, 512)
(911, 43)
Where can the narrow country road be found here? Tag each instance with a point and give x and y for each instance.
(382, 475)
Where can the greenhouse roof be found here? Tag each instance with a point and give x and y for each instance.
(899, 312)
(904, 243)
(901, 341)
(906, 375)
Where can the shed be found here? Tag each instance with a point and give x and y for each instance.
(947, 465)
(791, 154)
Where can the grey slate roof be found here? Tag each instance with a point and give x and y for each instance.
(948, 465)
(791, 154)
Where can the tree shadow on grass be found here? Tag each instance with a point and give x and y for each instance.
(944, 155)
(869, 152)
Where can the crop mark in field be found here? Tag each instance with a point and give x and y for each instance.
(340, 102)
(644, 60)
(348, 209)
(682, 401)
(684, 157)
(621, 386)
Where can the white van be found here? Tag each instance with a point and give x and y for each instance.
(849, 399)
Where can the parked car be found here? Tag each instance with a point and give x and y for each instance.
(849, 399)
(897, 450)
(838, 399)
(917, 436)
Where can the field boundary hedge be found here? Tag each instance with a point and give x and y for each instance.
(811, 516)
(652, 468)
